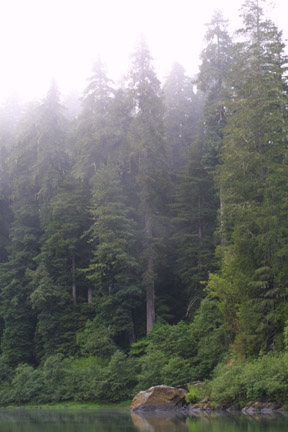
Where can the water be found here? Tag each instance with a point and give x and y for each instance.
(112, 420)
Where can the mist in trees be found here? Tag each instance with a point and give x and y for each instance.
(143, 230)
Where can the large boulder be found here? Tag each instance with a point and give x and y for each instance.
(159, 398)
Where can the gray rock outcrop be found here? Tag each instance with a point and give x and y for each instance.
(159, 398)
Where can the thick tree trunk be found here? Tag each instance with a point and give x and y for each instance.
(150, 297)
(90, 294)
(149, 277)
(74, 289)
(131, 335)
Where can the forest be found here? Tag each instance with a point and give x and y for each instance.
(144, 231)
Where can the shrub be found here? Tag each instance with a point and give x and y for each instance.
(54, 377)
(26, 384)
(176, 372)
(151, 367)
(96, 340)
(119, 379)
(195, 394)
(265, 378)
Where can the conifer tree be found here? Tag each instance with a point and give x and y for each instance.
(251, 284)
(64, 243)
(93, 135)
(52, 161)
(6, 214)
(149, 164)
(24, 236)
(216, 62)
(113, 270)
(183, 110)
(195, 211)
(37, 165)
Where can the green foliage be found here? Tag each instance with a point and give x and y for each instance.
(96, 340)
(84, 379)
(139, 348)
(182, 115)
(178, 354)
(95, 131)
(54, 373)
(254, 155)
(211, 338)
(6, 370)
(113, 216)
(150, 168)
(172, 340)
(177, 372)
(60, 379)
(26, 384)
(114, 269)
(168, 356)
(151, 365)
(195, 210)
(264, 379)
(119, 378)
(195, 394)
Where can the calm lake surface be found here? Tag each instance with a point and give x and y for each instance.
(112, 420)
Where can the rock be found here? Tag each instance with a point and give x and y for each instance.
(258, 405)
(159, 398)
(233, 408)
(269, 408)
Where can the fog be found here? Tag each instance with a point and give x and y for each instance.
(42, 40)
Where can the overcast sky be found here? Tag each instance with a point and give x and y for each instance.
(61, 39)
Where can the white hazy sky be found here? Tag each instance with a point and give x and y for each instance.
(42, 39)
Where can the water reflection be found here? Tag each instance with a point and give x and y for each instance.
(38, 420)
(154, 422)
(224, 422)
(209, 422)
(112, 420)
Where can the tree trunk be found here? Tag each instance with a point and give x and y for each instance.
(131, 334)
(74, 289)
(150, 297)
(90, 294)
(149, 277)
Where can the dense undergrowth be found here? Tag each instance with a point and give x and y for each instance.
(263, 379)
(174, 355)
(171, 354)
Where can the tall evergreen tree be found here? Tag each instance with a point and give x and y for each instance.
(252, 281)
(6, 214)
(94, 128)
(183, 110)
(10, 112)
(195, 211)
(38, 164)
(149, 164)
(193, 208)
(113, 270)
(25, 234)
(51, 145)
(216, 62)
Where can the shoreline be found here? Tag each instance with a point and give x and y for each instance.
(69, 405)
(254, 407)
